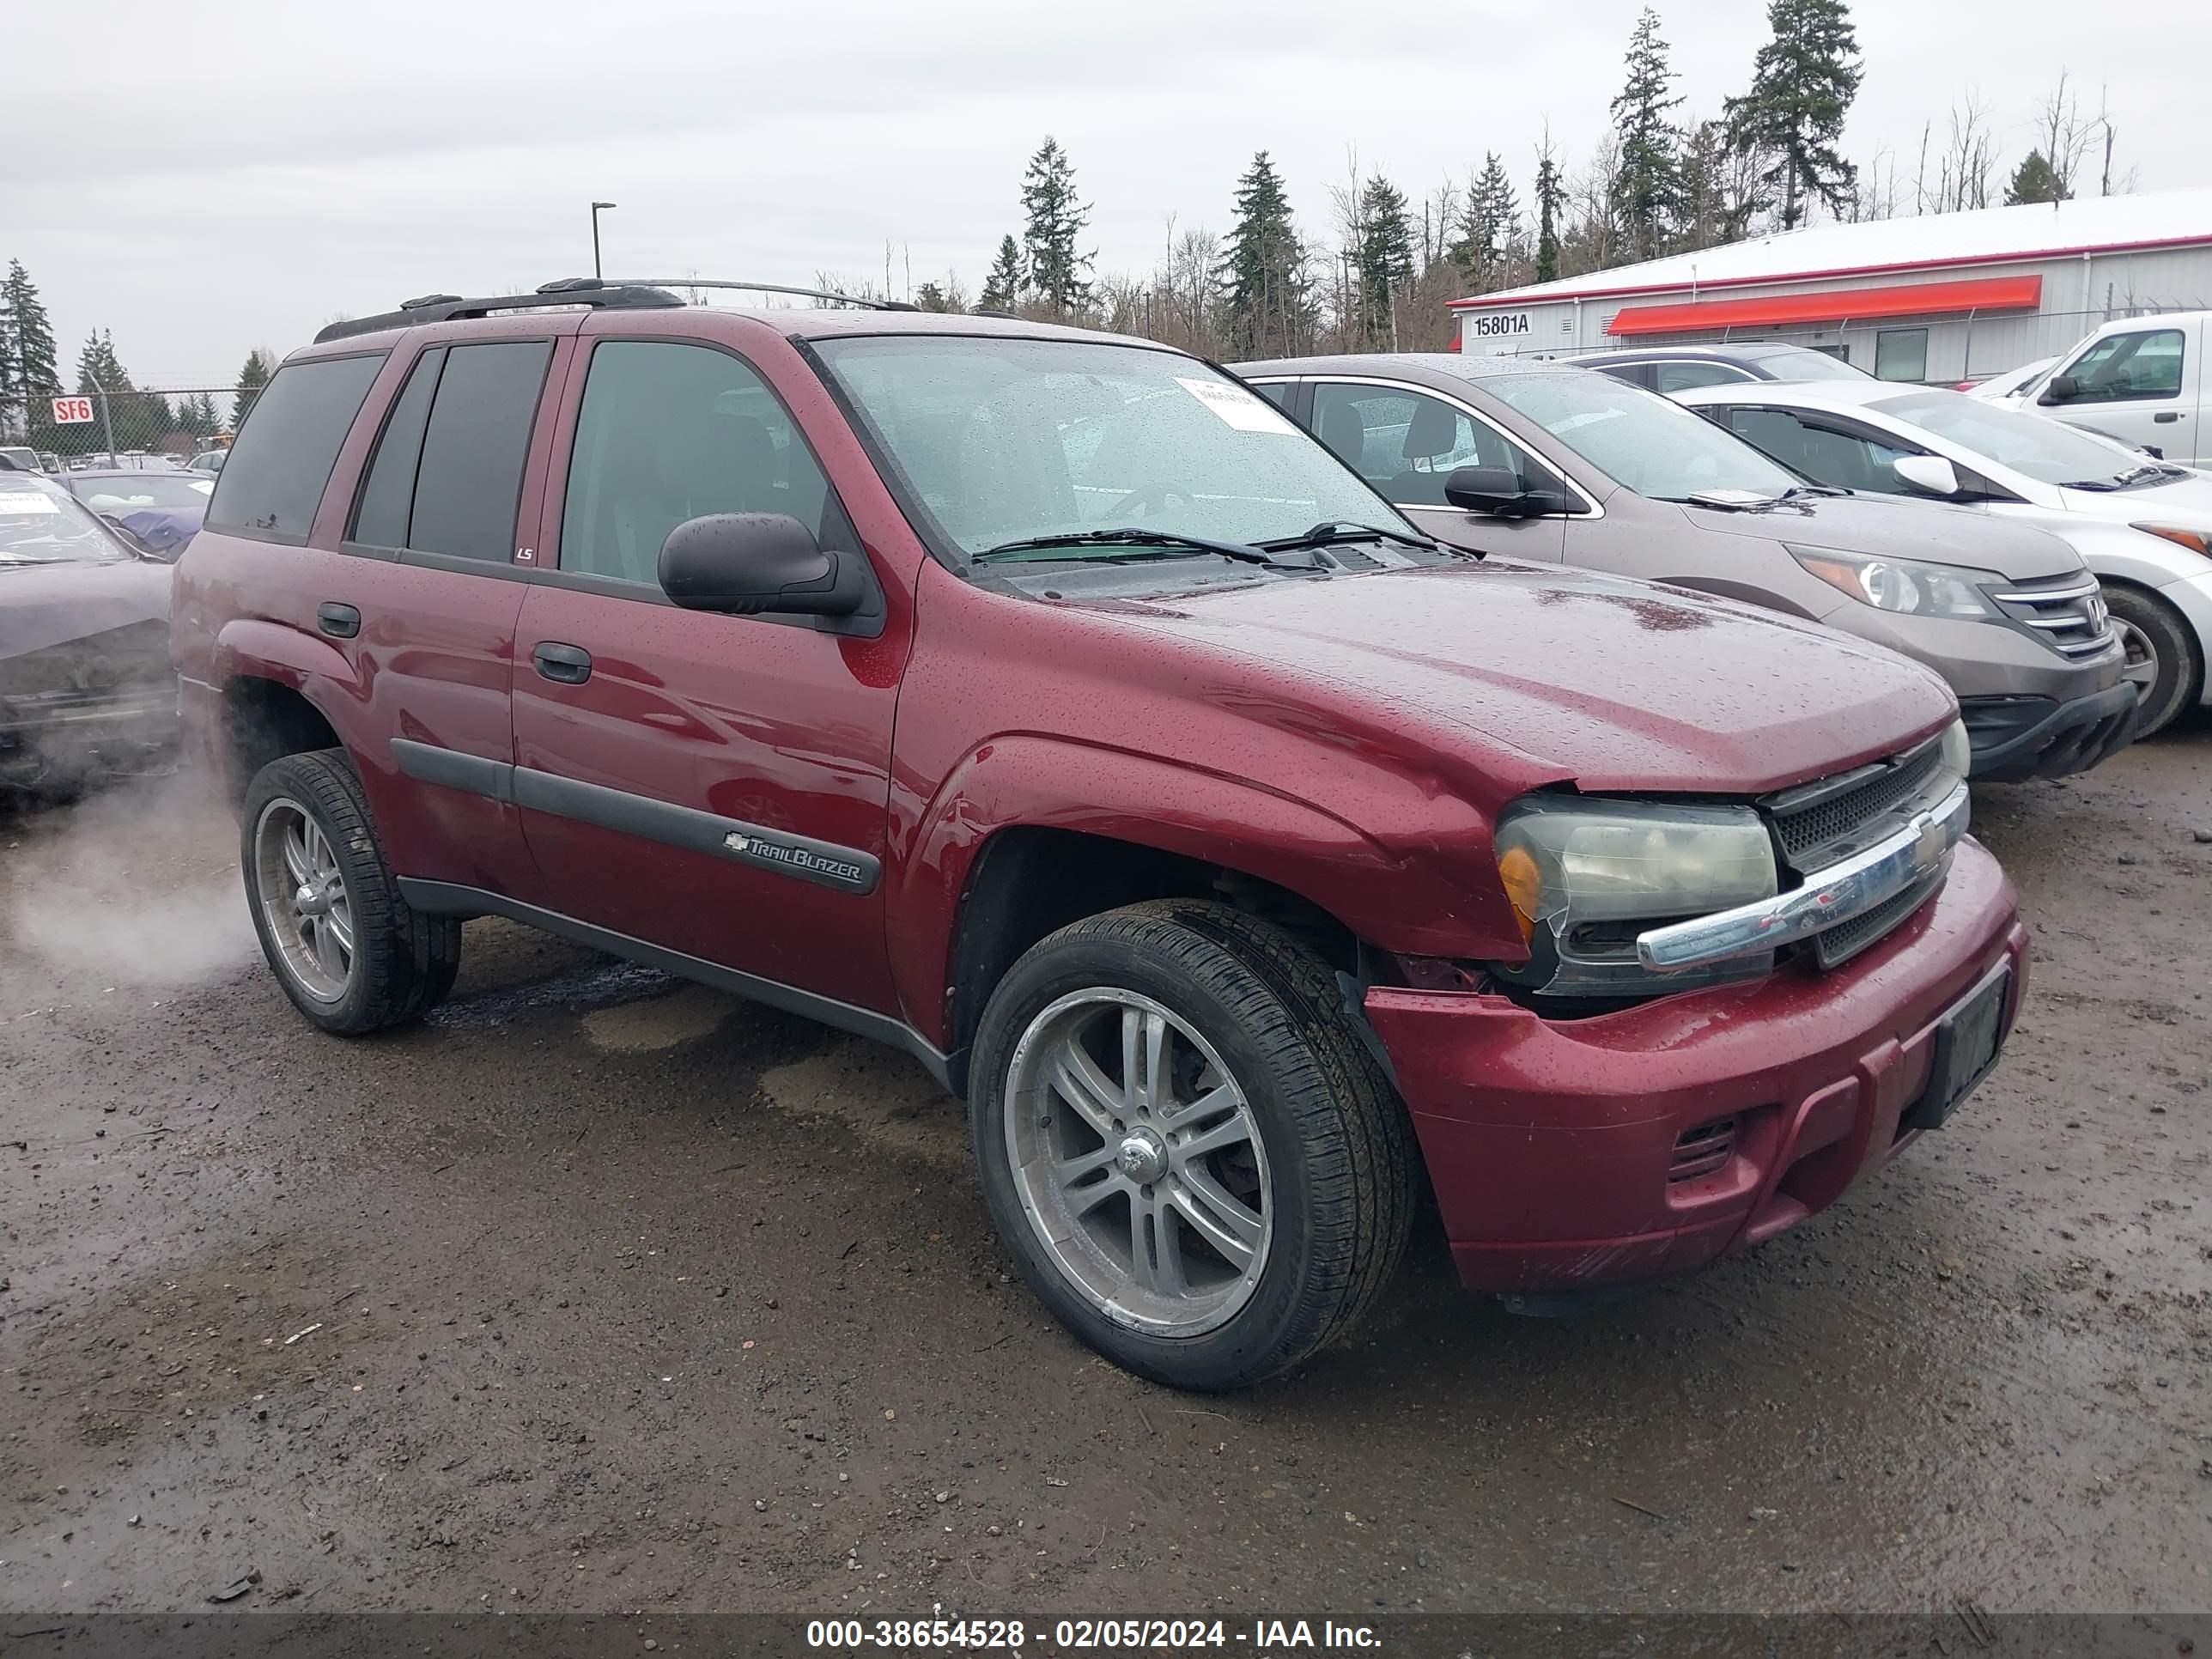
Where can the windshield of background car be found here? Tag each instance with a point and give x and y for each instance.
(2045, 451)
(1639, 439)
(1805, 364)
(40, 524)
(140, 491)
(1001, 441)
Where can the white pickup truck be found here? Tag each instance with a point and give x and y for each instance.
(2141, 380)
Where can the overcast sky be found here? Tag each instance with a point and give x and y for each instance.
(203, 181)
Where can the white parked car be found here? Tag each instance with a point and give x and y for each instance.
(2014, 383)
(2139, 380)
(2143, 526)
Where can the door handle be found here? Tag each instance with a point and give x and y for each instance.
(340, 622)
(2167, 416)
(570, 665)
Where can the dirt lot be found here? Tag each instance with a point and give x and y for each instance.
(600, 1291)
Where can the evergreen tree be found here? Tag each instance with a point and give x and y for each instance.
(931, 296)
(98, 368)
(1383, 257)
(1055, 219)
(31, 374)
(1550, 199)
(1263, 270)
(1487, 227)
(2035, 181)
(250, 379)
(1647, 188)
(1802, 82)
(1713, 209)
(1003, 284)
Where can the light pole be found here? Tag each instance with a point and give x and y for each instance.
(596, 206)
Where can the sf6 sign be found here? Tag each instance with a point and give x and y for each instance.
(69, 410)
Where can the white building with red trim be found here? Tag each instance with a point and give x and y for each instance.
(1941, 298)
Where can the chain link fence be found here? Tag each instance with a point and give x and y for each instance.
(138, 427)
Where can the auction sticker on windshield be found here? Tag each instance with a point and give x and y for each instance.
(1245, 411)
(25, 502)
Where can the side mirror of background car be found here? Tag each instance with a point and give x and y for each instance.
(1495, 491)
(747, 562)
(2062, 387)
(1929, 475)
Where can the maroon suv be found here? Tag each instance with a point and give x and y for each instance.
(1046, 704)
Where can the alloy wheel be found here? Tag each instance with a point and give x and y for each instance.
(1139, 1162)
(303, 899)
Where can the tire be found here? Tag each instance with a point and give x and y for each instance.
(352, 956)
(2163, 657)
(1313, 1143)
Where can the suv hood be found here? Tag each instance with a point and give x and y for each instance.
(1927, 531)
(1616, 684)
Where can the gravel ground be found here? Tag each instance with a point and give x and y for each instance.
(600, 1291)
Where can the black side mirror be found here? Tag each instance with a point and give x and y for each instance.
(1495, 491)
(747, 562)
(2063, 389)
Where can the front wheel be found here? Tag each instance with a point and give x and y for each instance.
(350, 953)
(1190, 1150)
(2164, 660)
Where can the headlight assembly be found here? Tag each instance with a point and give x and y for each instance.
(1586, 877)
(1904, 585)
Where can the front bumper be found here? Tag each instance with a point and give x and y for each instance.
(2016, 738)
(1566, 1154)
(65, 738)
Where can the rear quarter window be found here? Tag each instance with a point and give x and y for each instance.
(274, 479)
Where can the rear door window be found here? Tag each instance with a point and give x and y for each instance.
(273, 480)
(1681, 377)
(468, 482)
(387, 493)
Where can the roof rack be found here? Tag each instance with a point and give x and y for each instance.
(774, 288)
(444, 307)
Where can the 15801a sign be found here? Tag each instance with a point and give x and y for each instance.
(1497, 324)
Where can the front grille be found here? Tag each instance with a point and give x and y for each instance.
(1821, 823)
(2067, 613)
(1701, 1151)
(1846, 939)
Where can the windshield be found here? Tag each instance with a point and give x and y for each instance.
(143, 490)
(2044, 450)
(1803, 364)
(1003, 440)
(1638, 439)
(42, 526)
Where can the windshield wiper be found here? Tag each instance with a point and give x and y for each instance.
(1243, 553)
(1330, 530)
(2099, 484)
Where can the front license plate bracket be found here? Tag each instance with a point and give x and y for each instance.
(1968, 1040)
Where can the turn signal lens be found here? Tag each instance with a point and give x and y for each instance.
(2196, 541)
(1524, 886)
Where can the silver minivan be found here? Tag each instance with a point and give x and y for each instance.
(1551, 463)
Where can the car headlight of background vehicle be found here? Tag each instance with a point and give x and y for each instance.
(1586, 877)
(2196, 541)
(1906, 586)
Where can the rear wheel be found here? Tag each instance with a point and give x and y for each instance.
(2164, 660)
(1186, 1143)
(350, 953)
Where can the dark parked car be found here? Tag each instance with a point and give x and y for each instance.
(1551, 461)
(161, 510)
(1677, 369)
(85, 683)
(1045, 704)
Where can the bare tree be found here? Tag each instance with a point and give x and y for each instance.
(1962, 179)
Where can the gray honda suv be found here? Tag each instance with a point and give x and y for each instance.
(1554, 463)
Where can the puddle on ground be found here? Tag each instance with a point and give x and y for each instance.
(880, 1092)
(637, 1028)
